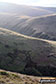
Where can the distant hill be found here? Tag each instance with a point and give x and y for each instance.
(29, 20)
(41, 27)
(52, 9)
(20, 51)
(23, 10)
(28, 55)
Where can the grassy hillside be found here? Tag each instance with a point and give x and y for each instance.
(28, 55)
(41, 27)
(29, 20)
(11, 21)
(7, 77)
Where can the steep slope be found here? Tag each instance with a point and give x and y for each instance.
(21, 10)
(11, 21)
(41, 27)
(29, 20)
(27, 55)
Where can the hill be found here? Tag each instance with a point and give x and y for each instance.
(27, 55)
(42, 27)
(29, 20)
(23, 10)
(52, 9)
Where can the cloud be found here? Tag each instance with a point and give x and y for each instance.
(46, 2)
(33, 2)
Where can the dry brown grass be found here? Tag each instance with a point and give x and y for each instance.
(16, 78)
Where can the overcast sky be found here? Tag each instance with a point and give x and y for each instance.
(33, 2)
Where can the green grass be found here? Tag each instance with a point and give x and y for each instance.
(4, 73)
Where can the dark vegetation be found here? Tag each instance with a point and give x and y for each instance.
(4, 73)
(27, 55)
(7, 46)
(30, 68)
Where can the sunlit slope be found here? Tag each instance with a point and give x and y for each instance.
(45, 27)
(41, 27)
(27, 55)
(11, 21)
(23, 10)
(53, 9)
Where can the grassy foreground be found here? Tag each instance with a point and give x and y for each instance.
(7, 77)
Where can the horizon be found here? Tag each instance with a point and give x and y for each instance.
(41, 3)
